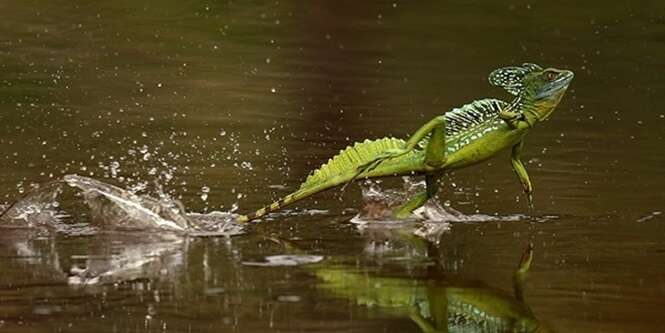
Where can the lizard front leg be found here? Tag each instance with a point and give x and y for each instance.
(517, 119)
(520, 170)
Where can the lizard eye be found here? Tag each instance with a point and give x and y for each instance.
(551, 76)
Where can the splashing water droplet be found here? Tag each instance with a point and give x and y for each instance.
(115, 165)
(204, 193)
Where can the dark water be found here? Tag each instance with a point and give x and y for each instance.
(244, 98)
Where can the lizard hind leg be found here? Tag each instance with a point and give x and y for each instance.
(435, 158)
(435, 151)
(418, 200)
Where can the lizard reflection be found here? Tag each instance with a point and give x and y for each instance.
(440, 305)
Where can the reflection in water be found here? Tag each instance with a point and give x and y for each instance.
(285, 260)
(434, 304)
(437, 304)
(110, 281)
(181, 93)
(128, 258)
(110, 259)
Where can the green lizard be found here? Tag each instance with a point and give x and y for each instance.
(459, 138)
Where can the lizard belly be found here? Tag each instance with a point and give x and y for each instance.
(481, 148)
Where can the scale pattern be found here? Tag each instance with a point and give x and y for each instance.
(462, 119)
(458, 121)
(352, 157)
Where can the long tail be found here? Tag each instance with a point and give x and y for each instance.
(342, 169)
(302, 193)
(279, 204)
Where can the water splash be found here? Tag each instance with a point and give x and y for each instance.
(378, 205)
(429, 221)
(122, 210)
(215, 223)
(112, 208)
(37, 209)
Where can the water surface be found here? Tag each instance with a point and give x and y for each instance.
(227, 105)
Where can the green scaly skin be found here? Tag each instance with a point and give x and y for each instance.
(461, 138)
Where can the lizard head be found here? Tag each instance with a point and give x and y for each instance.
(537, 88)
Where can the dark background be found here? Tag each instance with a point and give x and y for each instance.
(246, 97)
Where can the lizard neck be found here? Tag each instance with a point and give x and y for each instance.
(533, 108)
(527, 106)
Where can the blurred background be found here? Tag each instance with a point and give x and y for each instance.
(228, 105)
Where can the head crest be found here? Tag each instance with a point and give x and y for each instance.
(510, 78)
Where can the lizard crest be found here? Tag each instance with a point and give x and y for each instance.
(538, 91)
(511, 78)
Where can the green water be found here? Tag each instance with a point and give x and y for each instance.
(244, 98)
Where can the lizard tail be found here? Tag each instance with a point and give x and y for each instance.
(340, 169)
(293, 197)
(271, 208)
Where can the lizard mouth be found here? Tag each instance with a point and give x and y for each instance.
(565, 78)
(556, 86)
